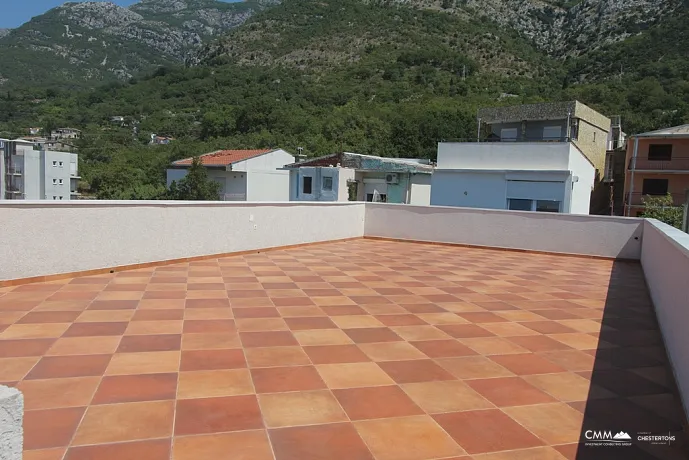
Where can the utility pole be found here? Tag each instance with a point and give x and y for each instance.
(464, 72)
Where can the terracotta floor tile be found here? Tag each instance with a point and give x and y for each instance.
(372, 335)
(163, 304)
(93, 329)
(252, 302)
(508, 329)
(384, 309)
(57, 393)
(579, 341)
(200, 360)
(401, 320)
(443, 348)
(154, 327)
(526, 364)
(535, 453)
(135, 388)
(215, 415)
(207, 295)
(486, 431)
(113, 304)
(300, 408)
(465, 330)
(276, 356)
(158, 449)
(547, 327)
(391, 351)
(204, 384)
(209, 326)
(84, 345)
(282, 379)
(207, 303)
(335, 441)
(334, 354)
(322, 337)
(481, 317)
(297, 312)
(141, 343)
(104, 316)
(556, 314)
(351, 375)
(206, 313)
(509, 391)
(376, 402)
(565, 386)
(261, 324)
(210, 341)
(50, 428)
(125, 422)
(309, 323)
(45, 454)
(256, 312)
(571, 360)
(357, 321)
(38, 317)
(152, 362)
(473, 367)
(34, 331)
(442, 318)
(538, 343)
(492, 346)
(414, 333)
(52, 367)
(268, 339)
(445, 396)
(342, 310)
(249, 445)
(24, 347)
(420, 370)
(553, 423)
(407, 438)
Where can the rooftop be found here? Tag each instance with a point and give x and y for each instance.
(224, 157)
(675, 131)
(366, 163)
(543, 111)
(377, 332)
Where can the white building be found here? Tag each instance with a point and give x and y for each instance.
(524, 176)
(349, 176)
(243, 175)
(28, 172)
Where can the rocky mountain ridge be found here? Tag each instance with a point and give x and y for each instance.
(89, 42)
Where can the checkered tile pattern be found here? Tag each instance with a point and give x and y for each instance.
(353, 350)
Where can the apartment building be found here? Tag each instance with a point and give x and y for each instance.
(347, 176)
(657, 164)
(536, 157)
(29, 172)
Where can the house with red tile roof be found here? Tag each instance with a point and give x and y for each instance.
(243, 175)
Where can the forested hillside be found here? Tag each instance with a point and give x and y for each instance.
(326, 75)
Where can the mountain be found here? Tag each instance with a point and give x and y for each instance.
(82, 44)
(4, 32)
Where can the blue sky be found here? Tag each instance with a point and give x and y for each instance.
(14, 13)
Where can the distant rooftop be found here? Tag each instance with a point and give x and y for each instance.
(366, 162)
(543, 111)
(678, 131)
(224, 157)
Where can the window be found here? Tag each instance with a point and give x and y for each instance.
(660, 152)
(594, 136)
(54, 164)
(60, 197)
(519, 205)
(552, 133)
(508, 134)
(306, 186)
(547, 206)
(654, 187)
(61, 164)
(54, 197)
(61, 182)
(383, 198)
(54, 181)
(328, 184)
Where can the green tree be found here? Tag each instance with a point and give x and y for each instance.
(195, 186)
(663, 209)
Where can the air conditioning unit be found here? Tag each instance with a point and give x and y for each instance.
(392, 178)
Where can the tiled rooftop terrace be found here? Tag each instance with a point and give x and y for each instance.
(351, 350)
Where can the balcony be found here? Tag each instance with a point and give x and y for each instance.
(644, 164)
(14, 172)
(637, 199)
(341, 331)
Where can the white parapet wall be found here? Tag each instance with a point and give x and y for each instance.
(615, 237)
(665, 261)
(47, 238)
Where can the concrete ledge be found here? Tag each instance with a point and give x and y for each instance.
(11, 417)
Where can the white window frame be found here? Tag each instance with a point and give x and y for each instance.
(534, 204)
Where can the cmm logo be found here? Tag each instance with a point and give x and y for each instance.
(606, 438)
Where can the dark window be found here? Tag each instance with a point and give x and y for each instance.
(654, 187)
(307, 185)
(519, 205)
(660, 152)
(383, 198)
(547, 206)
